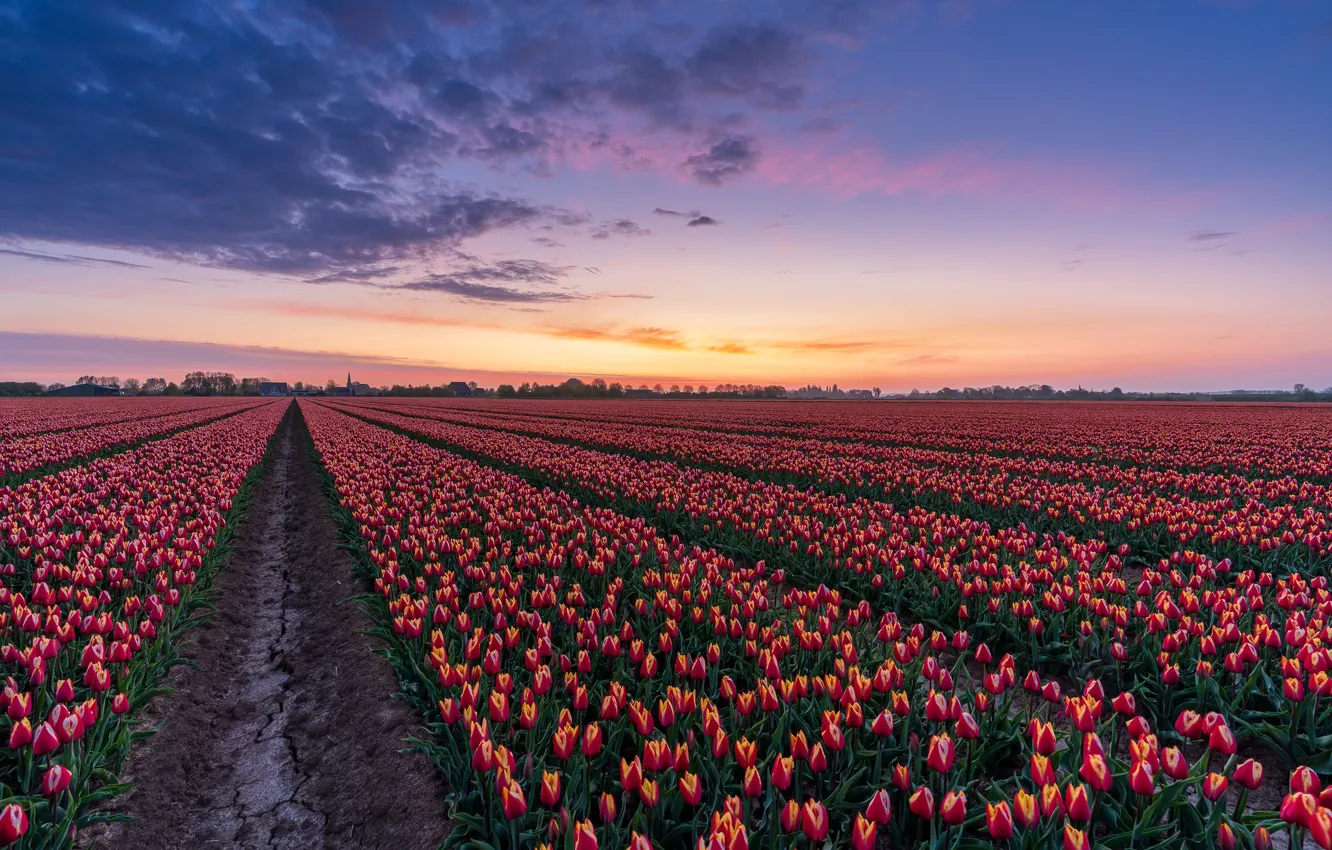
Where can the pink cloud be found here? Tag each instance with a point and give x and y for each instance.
(976, 171)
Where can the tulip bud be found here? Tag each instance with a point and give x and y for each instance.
(585, 837)
(1075, 839)
(1249, 774)
(999, 820)
(1025, 811)
(921, 803)
(790, 816)
(954, 807)
(606, 808)
(13, 823)
(55, 780)
(814, 820)
(512, 800)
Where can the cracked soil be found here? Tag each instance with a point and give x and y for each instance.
(285, 735)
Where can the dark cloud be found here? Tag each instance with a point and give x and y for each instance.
(69, 259)
(451, 285)
(690, 214)
(619, 227)
(703, 221)
(322, 138)
(750, 60)
(730, 157)
(1209, 235)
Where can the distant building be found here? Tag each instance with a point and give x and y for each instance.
(272, 388)
(340, 391)
(639, 394)
(460, 389)
(84, 390)
(362, 389)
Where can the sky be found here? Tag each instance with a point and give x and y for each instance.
(902, 194)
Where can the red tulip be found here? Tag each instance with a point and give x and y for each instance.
(690, 788)
(880, 808)
(1075, 802)
(782, 772)
(1305, 780)
(585, 837)
(606, 808)
(921, 803)
(1025, 811)
(1043, 737)
(1140, 779)
(13, 823)
(1097, 773)
(55, 780)
(1173, 763)
(753, 783)
(1225, 837)
(1249, 774)
(649, 793)
(1222, 740)
(863, 833)
(941, 753)
(1075, 839)
(631, 775)
(20, 734)
(592, 740)
(1125, 704)
(1214, 786)
(954, 807)
(790, 816)
(1189, 724)
(45, 740)
(550, 788)
(814, 820)
(512, 800)
(1320, 828)
(999, 820)
(1052, 801)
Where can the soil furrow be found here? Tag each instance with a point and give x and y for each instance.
(285, 735)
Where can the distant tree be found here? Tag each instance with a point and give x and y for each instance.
(132, 385)
(330, 385)
(506, 391)
(171, 389)
(54, 385)
(250, 386)
(154, 386)
(876, 392)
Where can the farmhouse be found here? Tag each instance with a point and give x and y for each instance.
(460, 389)
(84, 390)
(272, 388)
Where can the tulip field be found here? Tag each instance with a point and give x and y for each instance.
(721, 626)
(102, 564)
(674, 624)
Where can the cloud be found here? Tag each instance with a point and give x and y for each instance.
(322, 137)
(619, 227)
(703, 221)
(650, 337)
(728, 158)
(1209, 235)
(731, 348)
(69, 259)
(486, 283)
(810, 346)
(690, 214)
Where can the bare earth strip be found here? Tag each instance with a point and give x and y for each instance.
(285, 737)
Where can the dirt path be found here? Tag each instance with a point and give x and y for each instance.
(285, 736)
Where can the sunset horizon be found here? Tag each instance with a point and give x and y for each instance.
(903, 195)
